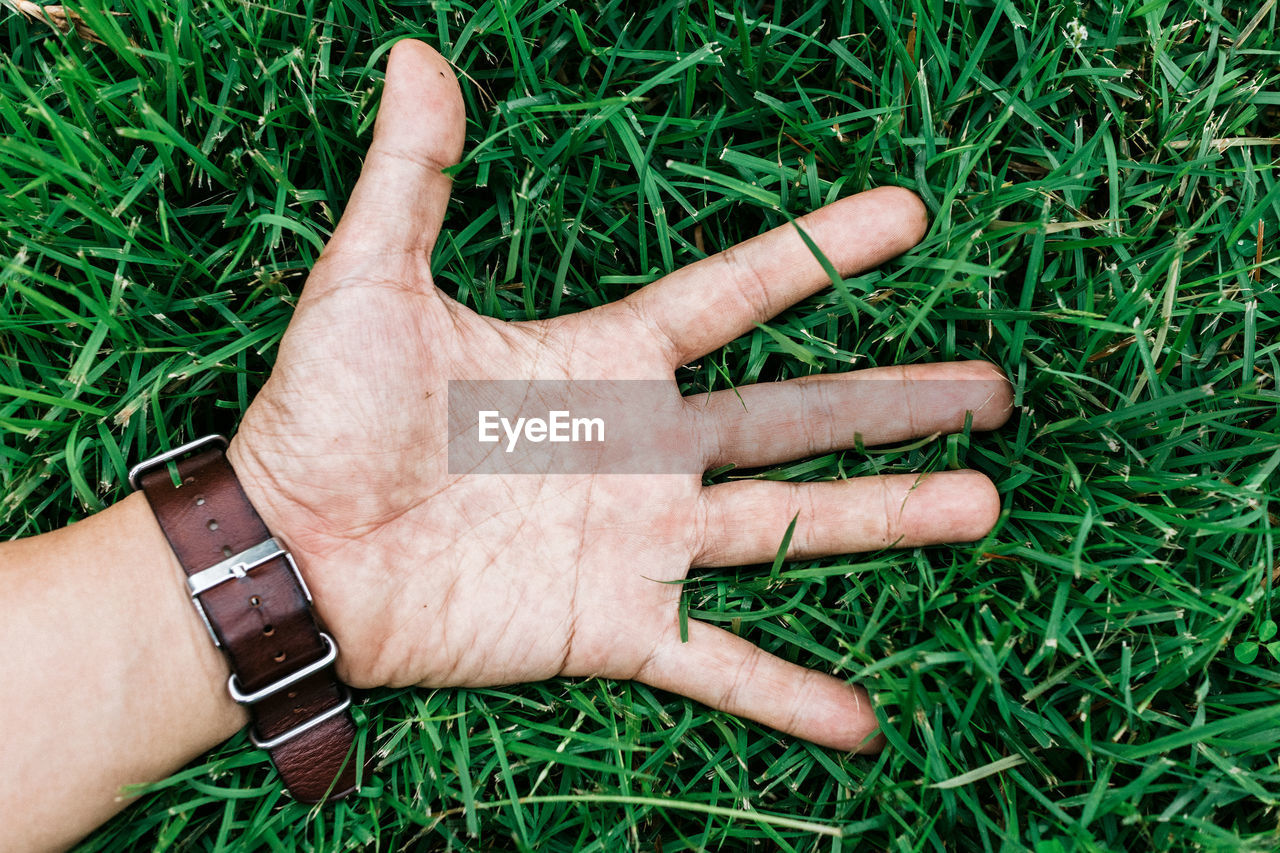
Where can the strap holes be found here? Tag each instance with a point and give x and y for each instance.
(254, 601)
(279, 658)
(293, 694)
(213, 525)
(267, 631)
(199, 500)
(226, 551)
(297, 709)
(189, 480)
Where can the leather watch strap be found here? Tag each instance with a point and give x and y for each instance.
(258, 611)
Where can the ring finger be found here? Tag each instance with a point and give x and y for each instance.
(744, 522)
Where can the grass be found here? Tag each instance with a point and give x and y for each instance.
(1101, 673)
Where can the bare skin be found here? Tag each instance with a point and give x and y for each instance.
(439, 578)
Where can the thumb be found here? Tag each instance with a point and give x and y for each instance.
(398, 204)
(721, 669)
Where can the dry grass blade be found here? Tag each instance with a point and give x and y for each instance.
(1228, 142)
(59, 17)
(1054, 227)
(1257, 271)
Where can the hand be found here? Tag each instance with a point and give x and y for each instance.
(437, 578)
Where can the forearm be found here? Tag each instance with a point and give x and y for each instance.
(110, 675)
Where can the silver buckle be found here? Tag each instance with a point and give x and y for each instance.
(238, 566)
(136, 472)
(233, 683)
(272, 743)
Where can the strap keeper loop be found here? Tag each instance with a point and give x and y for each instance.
(233, 683)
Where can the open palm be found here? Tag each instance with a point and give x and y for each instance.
(433, 576)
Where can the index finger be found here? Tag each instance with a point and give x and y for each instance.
(705, 305)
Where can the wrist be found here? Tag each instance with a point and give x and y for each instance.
(282, 517)
(297, 529)
(196, 673)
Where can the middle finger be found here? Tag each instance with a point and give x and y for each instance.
(775, 422)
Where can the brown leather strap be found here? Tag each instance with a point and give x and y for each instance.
(263, 621)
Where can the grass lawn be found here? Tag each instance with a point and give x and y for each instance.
(1102, 673)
